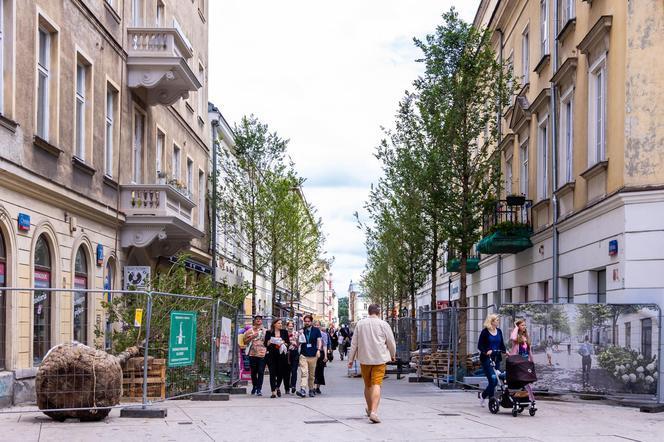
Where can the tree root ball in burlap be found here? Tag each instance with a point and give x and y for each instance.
(77, 376)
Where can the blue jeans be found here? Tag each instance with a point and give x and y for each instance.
(490, 374)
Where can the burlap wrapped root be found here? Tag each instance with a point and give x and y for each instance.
(77, 376)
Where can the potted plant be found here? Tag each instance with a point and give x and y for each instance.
(516, 200)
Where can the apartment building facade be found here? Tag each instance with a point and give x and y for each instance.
(583, 142)
(104, 158)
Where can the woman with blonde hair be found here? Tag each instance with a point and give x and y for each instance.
(521, 346)
(490, 344)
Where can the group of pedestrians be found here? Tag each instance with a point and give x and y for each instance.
(288, 352)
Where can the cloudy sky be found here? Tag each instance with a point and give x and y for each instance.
(327, 76)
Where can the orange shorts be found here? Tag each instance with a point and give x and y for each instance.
(372, 374)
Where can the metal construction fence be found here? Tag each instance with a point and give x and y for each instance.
(591, 349)
(95, 348)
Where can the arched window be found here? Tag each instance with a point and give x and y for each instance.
(3, 302)
(81, 298)
(41, 320)
(109, 277)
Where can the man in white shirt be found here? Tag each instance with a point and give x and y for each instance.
(373, 345)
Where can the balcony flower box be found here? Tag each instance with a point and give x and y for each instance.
(515, 200)
(506, 237)
(472, 264)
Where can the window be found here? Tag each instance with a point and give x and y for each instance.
(43, 83)
(526, 296)
(646, 338)
(567, 11)
(545, 291)
(139, 126)
(111, 101)
(567, 139)
(510, 72)
(201, 199)
(137, 13)
(543, 159)
(159, 160)
(190, 176)
(570, 290)
(160, 14)
(507, 297)
(525, 56)
(3, 303)
(41, 319)
(81, 298)
(80, 110)
(601, 286)
(523, 152)
(508, 176)
(202, 105)
(544, 27)
(597, 110)
(628, 334)
(176, 162)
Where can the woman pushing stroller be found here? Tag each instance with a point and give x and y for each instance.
(521, 346)
(490, 345)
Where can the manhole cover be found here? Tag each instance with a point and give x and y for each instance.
(329, 421)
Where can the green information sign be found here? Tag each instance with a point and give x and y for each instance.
(182, 341)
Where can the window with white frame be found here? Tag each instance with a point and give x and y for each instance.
(139, 140)
(81, 75)
(159, 158)
(508, 175)
(201, 199)
(525, 56)
(523, 158)
(566, 138)
(567, 11)
(160, 14)
(190, 176)
(111, 103)
(43, 83)
(137, 13)
(544, 27)
(597, 112)
(176, 162)
(543, 158)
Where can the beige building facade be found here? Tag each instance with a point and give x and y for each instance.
(104, 158)
(583, 142)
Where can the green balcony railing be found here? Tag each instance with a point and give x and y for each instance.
(506, 229)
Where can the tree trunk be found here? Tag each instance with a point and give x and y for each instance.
(413, 323)
(463, 311)
(274, 277)
(434, 280)
(254, 271)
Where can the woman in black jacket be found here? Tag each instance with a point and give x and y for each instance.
(490, 344)
(276, 343)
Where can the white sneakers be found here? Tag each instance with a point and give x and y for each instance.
(482, 400)
(373, 417)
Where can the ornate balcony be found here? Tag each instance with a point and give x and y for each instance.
(158, 215)
(506, 228)
(157, 65)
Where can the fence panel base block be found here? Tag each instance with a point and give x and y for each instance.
(211, 397)
(144, 413)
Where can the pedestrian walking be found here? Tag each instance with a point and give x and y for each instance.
(254, 339)
(334, 342)
(345, 334)
(586, 351)
(491, 345)
(521, 346)
(311, 342)
(293, 356)
(276, 340)
(319, 376)
(549, 350)
(373, 346)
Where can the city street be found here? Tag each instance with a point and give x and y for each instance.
(409, 412)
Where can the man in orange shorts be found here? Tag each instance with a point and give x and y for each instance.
(373, 345)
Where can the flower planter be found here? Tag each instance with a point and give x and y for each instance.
(472, 264)
(515, 200)
(513, 241)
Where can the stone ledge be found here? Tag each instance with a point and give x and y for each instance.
(25, 373)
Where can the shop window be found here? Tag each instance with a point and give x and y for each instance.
(81, 298)
(41, 319)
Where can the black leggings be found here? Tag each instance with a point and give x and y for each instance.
(278, 366)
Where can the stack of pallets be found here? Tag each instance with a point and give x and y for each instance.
(435, 365)
(132, 379)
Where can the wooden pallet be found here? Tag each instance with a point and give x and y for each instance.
(132, 379)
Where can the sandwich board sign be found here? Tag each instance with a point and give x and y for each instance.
(182, 340)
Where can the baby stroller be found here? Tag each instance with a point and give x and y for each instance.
(519, 372)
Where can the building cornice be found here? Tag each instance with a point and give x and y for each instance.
(597, 33)
(28, 183)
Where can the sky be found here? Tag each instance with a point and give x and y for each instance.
(327, 76)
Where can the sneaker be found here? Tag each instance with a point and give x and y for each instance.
(312, 394)
(373, 417)
(301, 393)
(317, 391)
(482, 400)
(279, 393)
(292, 390)
(259, 393)
(273, 396)
(253, 391)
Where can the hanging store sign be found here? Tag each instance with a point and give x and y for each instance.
(100, 255)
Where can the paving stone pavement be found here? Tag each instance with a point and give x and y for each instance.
(409, 412)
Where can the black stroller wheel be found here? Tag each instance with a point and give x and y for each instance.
(532, 411)
(515, 412)
(494, 406)
(520, 410)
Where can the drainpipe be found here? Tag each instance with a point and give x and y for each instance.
(499, 126)
(213, 205)
(554, 145)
